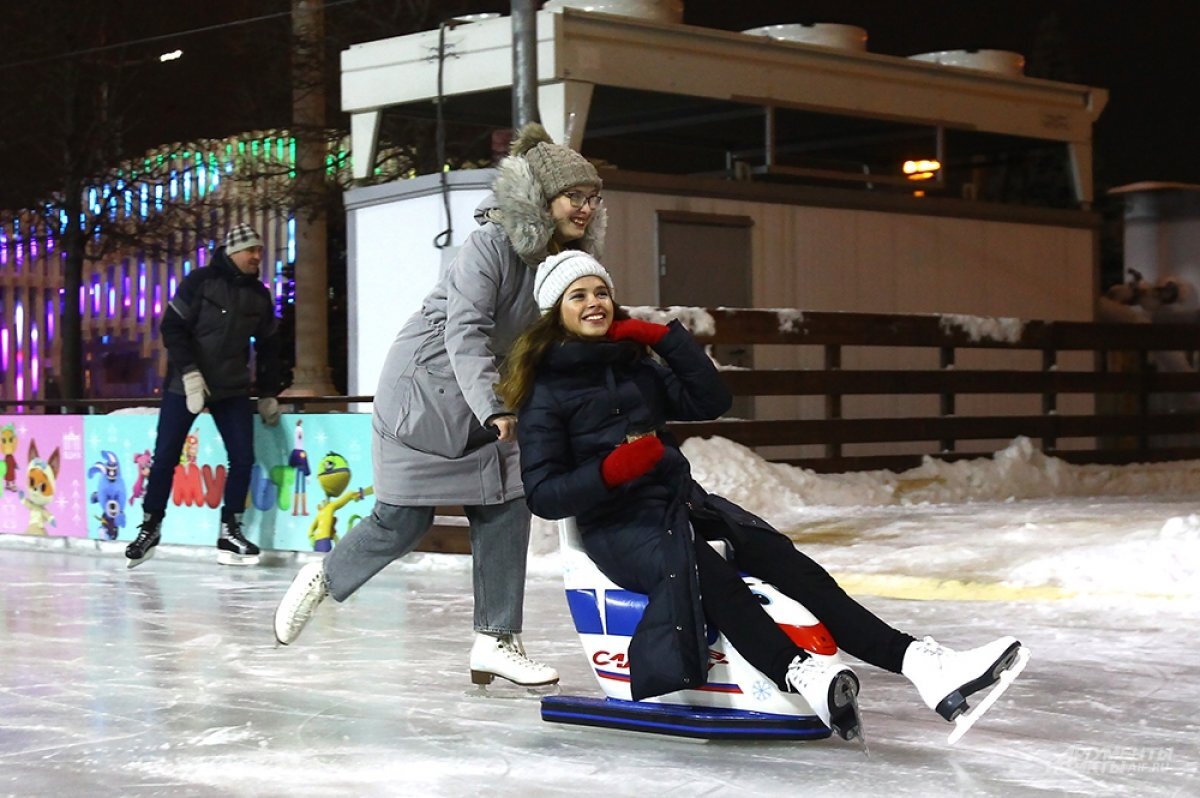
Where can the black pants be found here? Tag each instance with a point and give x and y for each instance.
(234, 417)
(734, 610)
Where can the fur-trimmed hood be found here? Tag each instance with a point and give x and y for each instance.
(521, 208)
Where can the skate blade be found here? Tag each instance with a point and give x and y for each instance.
(483, 678)
(131, 563)
(516, 693)
(849, 725)
(229, 558)
(964, 722)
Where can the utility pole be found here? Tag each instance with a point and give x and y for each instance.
(524, 50)
(312, 375)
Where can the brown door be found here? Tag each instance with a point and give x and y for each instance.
(704, 261)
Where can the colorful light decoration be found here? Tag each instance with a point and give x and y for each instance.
(130, 193)
(34, 359)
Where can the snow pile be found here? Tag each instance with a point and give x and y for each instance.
(1019, 471)
(1014, 526)
(978, 328)
(1143, 562)
(696, 320)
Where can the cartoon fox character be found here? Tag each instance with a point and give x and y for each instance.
(8, 448)
(41, 476)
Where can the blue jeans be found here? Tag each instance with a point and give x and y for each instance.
(234, 418)
(499, 546)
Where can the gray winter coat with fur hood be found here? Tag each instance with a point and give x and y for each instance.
(436, 390)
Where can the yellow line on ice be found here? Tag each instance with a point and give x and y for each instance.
(928, 589)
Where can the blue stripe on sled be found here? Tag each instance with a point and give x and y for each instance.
(585, 611)
(623, 610)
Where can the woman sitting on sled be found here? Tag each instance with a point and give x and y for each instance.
(593, 405)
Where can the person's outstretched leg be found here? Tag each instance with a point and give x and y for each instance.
(387, 534)
(829, 687)
(499, 550)
(732, 608)
(943, 677)
(234, 417)
(174, 421)
(858, 631)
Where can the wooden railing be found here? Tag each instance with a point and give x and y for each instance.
(1091, 391)
(1118, 380)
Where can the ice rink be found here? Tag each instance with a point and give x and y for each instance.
(165, 680)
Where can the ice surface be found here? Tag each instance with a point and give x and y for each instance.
(165, 681)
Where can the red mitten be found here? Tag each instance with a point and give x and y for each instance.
(631, 460)
(644, 332)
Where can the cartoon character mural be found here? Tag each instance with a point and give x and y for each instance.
(298, 460)
(8, 447)
(333, 475)
(109, 494)
(191, 449)
(143, 462)
(41, 478)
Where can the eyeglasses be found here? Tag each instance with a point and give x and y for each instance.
(578, 200)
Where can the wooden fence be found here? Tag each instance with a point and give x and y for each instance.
(1132, 410)
(1119, 381)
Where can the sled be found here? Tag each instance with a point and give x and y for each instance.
(737, 702)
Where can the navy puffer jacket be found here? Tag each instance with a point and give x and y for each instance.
(215, 313)
(587, 397)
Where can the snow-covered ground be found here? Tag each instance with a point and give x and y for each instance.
(164, 680)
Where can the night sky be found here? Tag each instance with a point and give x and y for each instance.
(1144, 52)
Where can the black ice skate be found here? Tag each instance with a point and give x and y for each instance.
(142, 547)
(232, 546)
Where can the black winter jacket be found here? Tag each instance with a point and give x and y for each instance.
(587, 397)
(208, 325)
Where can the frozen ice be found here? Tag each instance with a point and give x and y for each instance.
(165, 680)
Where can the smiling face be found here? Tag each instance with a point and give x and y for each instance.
(570, 223)
(248, 260)
(587, 307)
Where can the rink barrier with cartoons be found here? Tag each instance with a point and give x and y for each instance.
(738, 702)
(1085, 392)
(84, 477)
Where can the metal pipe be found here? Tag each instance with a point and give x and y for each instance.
(524, 49)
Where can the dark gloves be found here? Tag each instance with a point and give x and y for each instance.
(644, 332)
(631, 460)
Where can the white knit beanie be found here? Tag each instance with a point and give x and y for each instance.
(556, 273)
(241, 236)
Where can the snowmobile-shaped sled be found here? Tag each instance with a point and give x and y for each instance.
(738, 702)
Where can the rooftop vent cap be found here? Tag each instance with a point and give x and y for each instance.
(1004, 62)
(653, 10)
(823, 34)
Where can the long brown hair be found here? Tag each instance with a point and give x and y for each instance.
(520, 367)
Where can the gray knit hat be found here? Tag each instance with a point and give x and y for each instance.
(241, 236)
(556, 167)
(556, 273)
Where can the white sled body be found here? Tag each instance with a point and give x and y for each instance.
(605, 616)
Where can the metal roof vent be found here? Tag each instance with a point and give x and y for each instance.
(653, 10)
(1004, 62)
(822, 34)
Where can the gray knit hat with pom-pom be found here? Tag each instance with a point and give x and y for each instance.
(557, 168)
